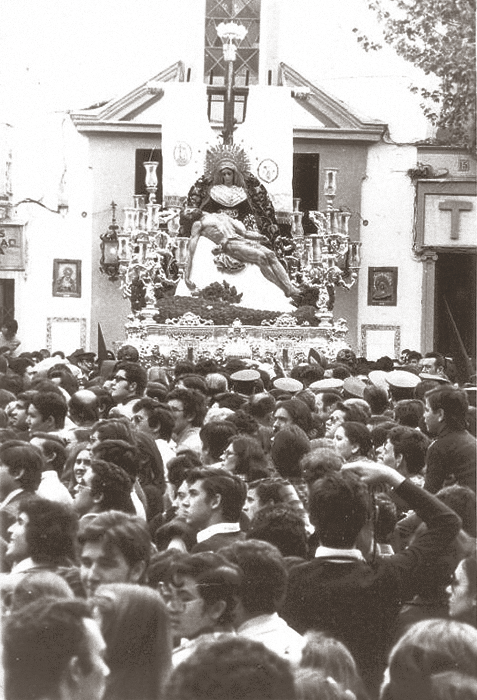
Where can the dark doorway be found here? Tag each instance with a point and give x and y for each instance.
(456, 285)
(305, 180)
(7, 300)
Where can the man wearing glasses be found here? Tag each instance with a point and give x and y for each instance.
(128, 385)
(188, 409)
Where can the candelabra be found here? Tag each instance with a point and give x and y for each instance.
(328, 258)
(148, 245)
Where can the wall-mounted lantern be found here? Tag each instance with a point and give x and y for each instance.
(109, 263)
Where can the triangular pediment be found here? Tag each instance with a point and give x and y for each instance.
(128, 107)
(323, 110)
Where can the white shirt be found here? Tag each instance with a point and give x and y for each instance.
(332, 553)
(275, 634)
(217, 529)
(52, 489)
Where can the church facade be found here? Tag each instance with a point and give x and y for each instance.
(412, 205)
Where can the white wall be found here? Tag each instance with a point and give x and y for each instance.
(388, 205)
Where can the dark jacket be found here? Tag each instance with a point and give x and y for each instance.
(357, 602)
(452, 454)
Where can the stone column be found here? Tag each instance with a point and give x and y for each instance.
(428, 259)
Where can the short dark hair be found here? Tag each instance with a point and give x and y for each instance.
(298, 412)
(230, 487)
(412, 445)
(319, 462)
(260, 405)
(193, 381)
(118, 452)
(48, 404)
(354, 413)
(134, 372)
(50, 532)
(358, 434)
(409, 412)
(453, 402)
(339, 508)
(377, 399)
(53, 446)
(193, 403)
(113, 429)
(11, 325)
(216, 579)
(40, 639)
(215, 436)
(129, 353)
(158, 415)
(232, 667)
(178, 467)
(21, 457)
(462, 501)
(113, 484)
(128, 533)
(265, 575)
(82, 412)
(282, 526)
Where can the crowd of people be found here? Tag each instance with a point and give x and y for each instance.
(229, 529)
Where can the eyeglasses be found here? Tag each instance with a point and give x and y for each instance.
(174, 409)
(119, 378)
(172, 596)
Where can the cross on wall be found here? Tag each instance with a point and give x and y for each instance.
(455, 206)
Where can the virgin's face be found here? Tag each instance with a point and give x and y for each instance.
(228, 177)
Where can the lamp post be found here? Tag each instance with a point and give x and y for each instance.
(231, 35)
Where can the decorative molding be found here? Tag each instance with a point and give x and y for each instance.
(65, 319)
(366, 327)
(128, 106)
(333, 113)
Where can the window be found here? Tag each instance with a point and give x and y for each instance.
(246, 12)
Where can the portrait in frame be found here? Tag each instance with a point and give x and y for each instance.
(66, 278)
(382, 286)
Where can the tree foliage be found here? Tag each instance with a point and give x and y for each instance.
(437, 36)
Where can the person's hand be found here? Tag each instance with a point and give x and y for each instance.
(374, 472)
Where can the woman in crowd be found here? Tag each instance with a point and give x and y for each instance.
(245, 457)
(135, 626)
(463, 592)
(427, 648)
(77, 462)
(353, 441)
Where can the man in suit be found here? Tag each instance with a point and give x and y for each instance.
(212, 507)
(343, 594)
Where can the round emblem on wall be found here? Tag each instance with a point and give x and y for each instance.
(268, 170)
(182, 153)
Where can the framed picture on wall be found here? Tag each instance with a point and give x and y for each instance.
(382, 286)
(66, 278)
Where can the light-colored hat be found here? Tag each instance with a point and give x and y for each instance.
(288, 384)
(327, 384)
(378, 378)
(354, 387)
(402, 379)
(245, 375)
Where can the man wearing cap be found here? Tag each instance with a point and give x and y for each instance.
(84, 361)
(246, 382)
(401, 384)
